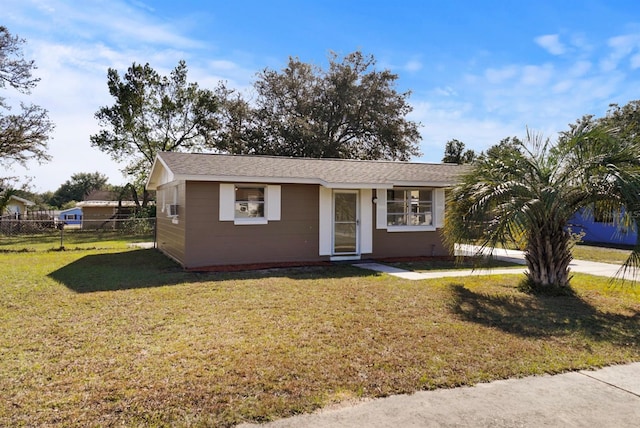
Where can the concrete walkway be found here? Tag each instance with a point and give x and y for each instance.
(515, 256)
(405, 274)
(604, 398)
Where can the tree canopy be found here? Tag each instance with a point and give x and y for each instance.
(79, 186)
(24, 135)
(528, 198)
(350, 110)
(154, 113)
(506, 148)
(454, 152)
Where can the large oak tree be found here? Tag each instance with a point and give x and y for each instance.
(350, 110)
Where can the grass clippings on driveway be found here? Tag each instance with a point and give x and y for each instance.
(126, 338)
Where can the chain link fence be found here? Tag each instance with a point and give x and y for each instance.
(21, 233)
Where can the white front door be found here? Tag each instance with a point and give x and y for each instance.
(346, 222)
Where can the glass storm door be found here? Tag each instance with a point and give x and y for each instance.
(345, 222)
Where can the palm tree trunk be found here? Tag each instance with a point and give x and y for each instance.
(548, 256)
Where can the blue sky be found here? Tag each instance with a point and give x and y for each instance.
(479, 71)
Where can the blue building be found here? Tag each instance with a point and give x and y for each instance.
(602, 230)
(72, 216)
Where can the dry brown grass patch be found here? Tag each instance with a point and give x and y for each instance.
(144, 343)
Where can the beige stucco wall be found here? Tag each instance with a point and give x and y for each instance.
(197, 238)
(407, 244)
(170, 232)
(209, 241)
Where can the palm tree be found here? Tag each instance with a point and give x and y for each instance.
(526, 194)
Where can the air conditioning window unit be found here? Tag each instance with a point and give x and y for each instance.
(172, 209)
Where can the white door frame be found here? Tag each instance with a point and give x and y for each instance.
(348, 255)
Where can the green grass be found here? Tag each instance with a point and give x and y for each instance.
(71, 239)
(600, 254)
(125, 337)
(597, 253)
(448, 263)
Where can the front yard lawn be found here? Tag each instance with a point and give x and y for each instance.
(600, 254)
(125, 337)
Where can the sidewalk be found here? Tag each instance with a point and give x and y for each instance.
(609, 397)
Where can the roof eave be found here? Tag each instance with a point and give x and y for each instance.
(296, 180)
(413, 183)
(153, 181)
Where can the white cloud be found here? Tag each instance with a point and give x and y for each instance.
(75, 44)
(413, 65)
(551, 42)
(498, 76)
(562, 86)
(73, 48)
(222, 64)
(622, 45)
(536, 75)
(503, 101)
(580, 68)
(447, 91)
(620, 48)
(447, 121)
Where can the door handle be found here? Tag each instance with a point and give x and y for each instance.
(357, 222)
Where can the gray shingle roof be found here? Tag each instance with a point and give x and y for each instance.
(328, 172)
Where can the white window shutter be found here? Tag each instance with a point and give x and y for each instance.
(273, 202)
(325, 228)
(366, 221)
(439, 202)
(381, 208)
(227, 201)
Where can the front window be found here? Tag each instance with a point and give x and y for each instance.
(409, 207)
(249, 202)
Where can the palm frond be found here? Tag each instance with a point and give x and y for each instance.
(530, 196)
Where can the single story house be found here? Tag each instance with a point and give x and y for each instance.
(71, 216)
(17, 207)
(104, 214)
(217, 209)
